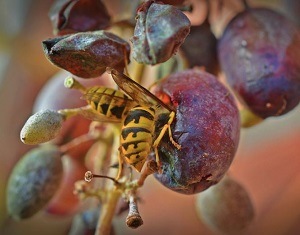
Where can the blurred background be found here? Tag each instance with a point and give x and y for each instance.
(267, 162)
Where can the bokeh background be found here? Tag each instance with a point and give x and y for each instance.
(267, 162)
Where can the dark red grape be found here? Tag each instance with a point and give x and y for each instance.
(200, 48)
(260, 55)
(207, 128)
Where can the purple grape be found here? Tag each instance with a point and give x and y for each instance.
(207, 128)
(260, 55)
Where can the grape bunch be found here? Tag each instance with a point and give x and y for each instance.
(101, 122)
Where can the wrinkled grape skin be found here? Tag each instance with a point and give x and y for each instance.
(260, 55)
(207, 128)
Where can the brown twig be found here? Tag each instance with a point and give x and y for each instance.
(133, 219)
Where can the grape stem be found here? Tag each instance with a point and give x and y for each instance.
(77, 141)
(107, 213)
(114, 193)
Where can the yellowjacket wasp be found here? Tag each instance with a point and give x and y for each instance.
(139, 111)
(138, 131)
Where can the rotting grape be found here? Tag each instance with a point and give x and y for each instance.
(87, 54)
(34, 180)
(41, 127)
(225, 207)
(207, 127)
(69, 16)
(160, 30)
(261, 62)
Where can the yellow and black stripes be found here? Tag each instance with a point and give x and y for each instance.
(109, 102)
(137, 135)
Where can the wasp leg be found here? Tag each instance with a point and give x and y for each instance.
(161, 134)
(164, 129)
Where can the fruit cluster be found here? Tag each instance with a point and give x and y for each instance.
(185, 131)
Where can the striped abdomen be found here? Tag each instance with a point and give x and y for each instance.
(109, 102)
(137, 136)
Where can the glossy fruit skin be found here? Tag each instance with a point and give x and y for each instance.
(207, 127)
(260, 55)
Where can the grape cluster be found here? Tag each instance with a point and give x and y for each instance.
(195, 147)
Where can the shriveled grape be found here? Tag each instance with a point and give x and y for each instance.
(225, 207)
(159, 32)
(33, 181)
(260, 55)
(207, 128)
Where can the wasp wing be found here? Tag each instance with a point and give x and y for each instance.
(137, 92)
(98, 96)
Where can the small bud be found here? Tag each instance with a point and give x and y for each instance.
(69, 16)
(33, 181)
(133, 220)
(41, 127)
(71, 83)
(160, 30)
(87, 55)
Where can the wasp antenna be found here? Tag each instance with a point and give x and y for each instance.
(71, 83)
(88, 176)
